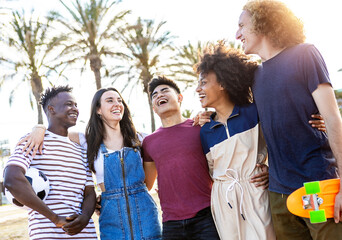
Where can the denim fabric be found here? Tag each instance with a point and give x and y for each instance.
(200, 227)
(127, 209)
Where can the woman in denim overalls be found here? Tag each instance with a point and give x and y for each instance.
(127, 209)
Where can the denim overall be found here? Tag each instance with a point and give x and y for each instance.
(127, 210)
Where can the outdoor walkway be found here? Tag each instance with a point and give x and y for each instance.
(13, 223)
(10, 212)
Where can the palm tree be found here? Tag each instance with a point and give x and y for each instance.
(28, 45)
(92, 25)
(187, 56)
(144, 46)
(187, 113)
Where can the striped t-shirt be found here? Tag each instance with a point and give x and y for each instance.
(65, 165)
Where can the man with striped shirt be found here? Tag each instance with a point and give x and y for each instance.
(66, 212)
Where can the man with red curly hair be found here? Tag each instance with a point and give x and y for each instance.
(291, 83)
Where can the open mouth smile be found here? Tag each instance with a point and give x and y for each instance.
(116, 111)
(201, 96)
(73, 115)
(162, 101)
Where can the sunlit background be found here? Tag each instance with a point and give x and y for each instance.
(189, 20)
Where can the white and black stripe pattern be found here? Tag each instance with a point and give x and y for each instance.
(65, 164)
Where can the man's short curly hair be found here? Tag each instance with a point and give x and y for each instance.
(50, 93)
(234, 71)
(276, 21)
(162, 80)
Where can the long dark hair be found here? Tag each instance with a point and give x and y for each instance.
(95, 129)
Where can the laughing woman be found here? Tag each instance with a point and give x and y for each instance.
(127, 209)
(233, 145)
(113, 148)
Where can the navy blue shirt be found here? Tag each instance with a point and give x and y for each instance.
(282, 92)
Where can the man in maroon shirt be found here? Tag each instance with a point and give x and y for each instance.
(175, 152)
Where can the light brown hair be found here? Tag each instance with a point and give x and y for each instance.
(276, 21)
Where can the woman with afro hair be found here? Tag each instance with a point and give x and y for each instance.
(233, 144)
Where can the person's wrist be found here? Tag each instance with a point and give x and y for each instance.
(54, 219)
(39, 126)
(84, 219)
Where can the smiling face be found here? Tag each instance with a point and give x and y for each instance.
(165, 100)
(111, 106)
(64, 109)
(251, 41)
(209, 90)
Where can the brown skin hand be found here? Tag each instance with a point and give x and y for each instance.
(79, 222)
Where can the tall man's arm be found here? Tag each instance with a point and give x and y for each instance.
(78, 222)
(326, 103)
(16, 182)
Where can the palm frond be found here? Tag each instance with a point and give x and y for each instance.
(73, 14)
(11, 95)
(117, 18)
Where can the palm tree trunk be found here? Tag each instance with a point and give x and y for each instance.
(146, 77)
(153, 122)
(95, 66)
(97, 78)
(40, 113)
(37, 89)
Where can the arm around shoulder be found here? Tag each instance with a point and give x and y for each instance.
(75, 137)
(34, 141)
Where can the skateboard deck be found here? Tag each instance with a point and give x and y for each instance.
(315, 200)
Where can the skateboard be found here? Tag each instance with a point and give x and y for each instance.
(315, 200)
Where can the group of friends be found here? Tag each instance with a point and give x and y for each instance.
(212, 180)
